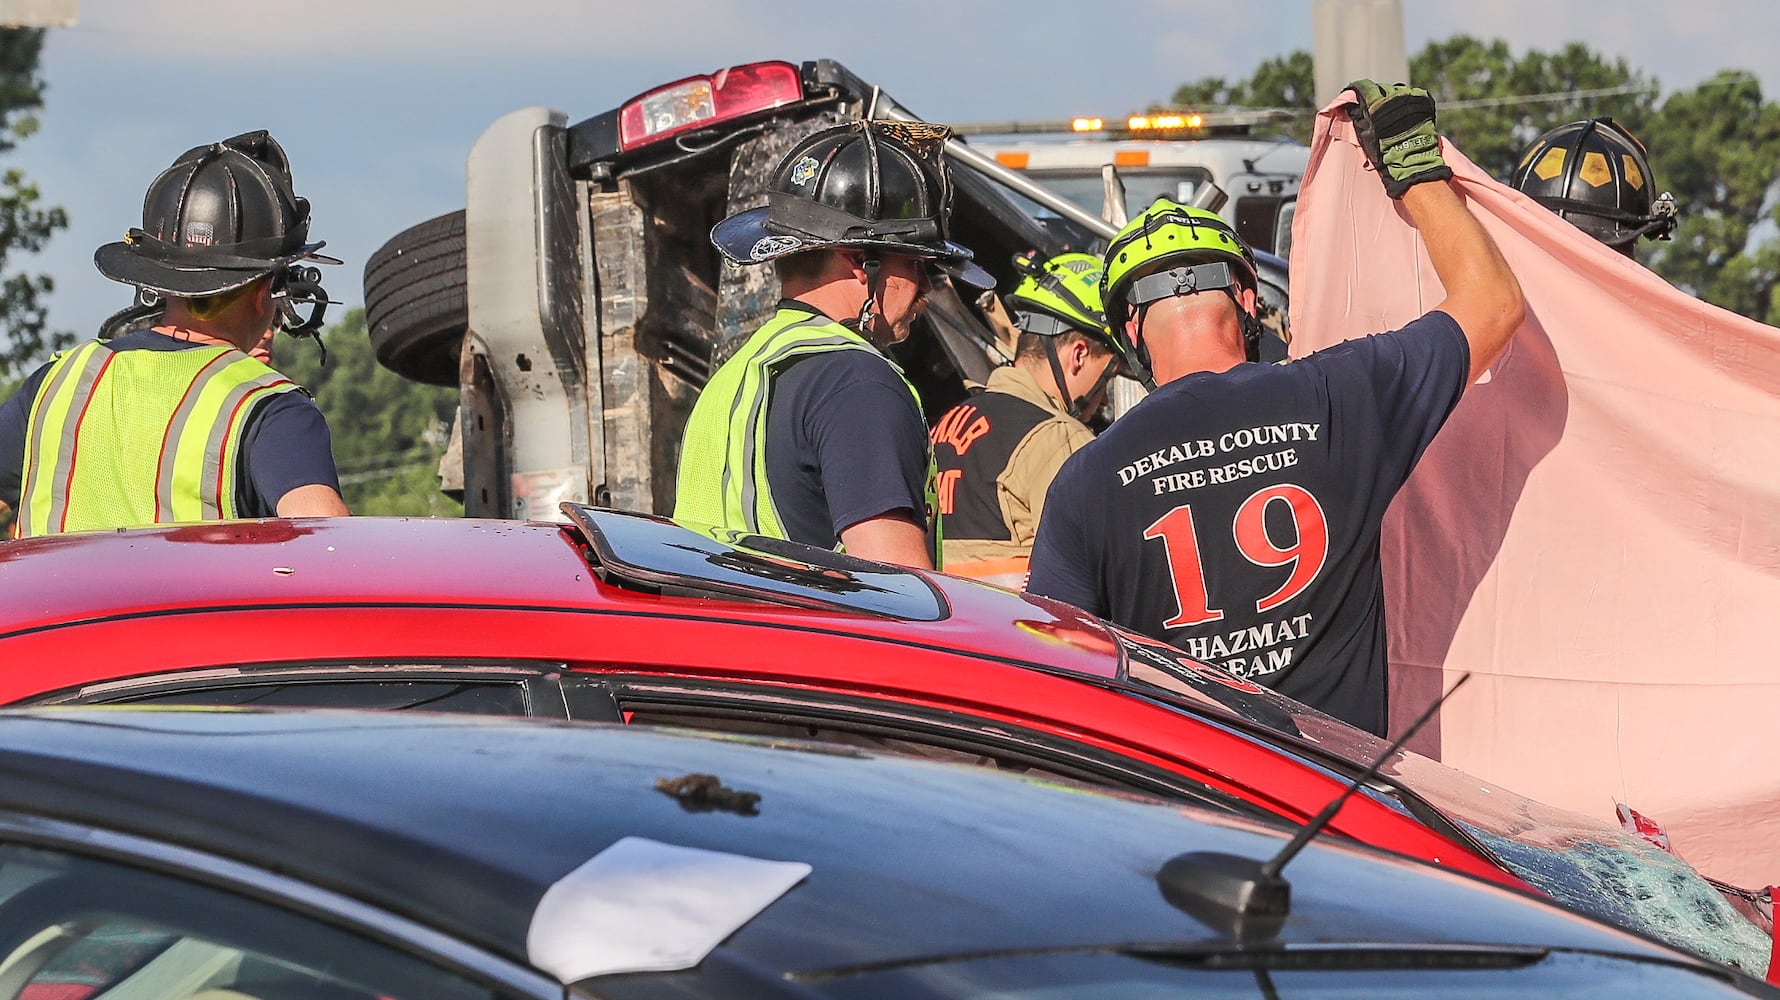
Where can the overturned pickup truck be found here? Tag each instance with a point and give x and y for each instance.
(579, 306)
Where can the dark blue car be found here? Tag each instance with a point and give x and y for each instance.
(259, 856)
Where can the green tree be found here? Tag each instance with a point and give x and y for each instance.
(26, 224)
(1287, 81)
(1717, 148)
(388, 432)
(1492, 104)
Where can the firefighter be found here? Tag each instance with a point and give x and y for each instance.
(1236, 511)
(1595, 174)
(809, 431)
(184, 419)
(998, 451)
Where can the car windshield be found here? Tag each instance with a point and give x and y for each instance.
(1334, 973)
(1589, 865)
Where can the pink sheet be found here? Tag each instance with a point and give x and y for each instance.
(1596, 532)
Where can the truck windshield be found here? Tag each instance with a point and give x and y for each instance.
(1143, 185)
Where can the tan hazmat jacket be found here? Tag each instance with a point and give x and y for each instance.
(1021, 486)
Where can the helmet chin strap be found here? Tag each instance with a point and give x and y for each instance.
(1106, 376)
(874, 288)
(1252, 330)
(1074, 406)
(1139, 355)
(1079, 404)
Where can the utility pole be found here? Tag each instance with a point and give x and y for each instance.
(38, 13)
(1357, 39)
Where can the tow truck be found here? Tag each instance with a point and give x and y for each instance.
(578, 305)
(1225, 161)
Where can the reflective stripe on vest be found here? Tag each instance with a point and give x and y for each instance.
(723, 480)
(121, 438)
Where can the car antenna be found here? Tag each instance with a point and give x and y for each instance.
(1249, 898)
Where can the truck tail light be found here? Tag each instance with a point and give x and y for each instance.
(701, 101)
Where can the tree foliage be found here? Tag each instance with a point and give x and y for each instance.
(1287, 81)
(1493, 104)
(26, 224)
(1716, 146)
(1717, 149)
(388, 432)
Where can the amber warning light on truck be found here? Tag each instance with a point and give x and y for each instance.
(1142, 123)
(1163, 123)
(701, 101)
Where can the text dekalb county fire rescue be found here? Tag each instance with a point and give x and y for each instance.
(1223, 444)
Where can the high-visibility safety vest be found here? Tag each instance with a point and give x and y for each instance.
(723, 481)
(124, 438)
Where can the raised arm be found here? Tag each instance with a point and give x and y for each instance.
(1395, 126)
(1482, 294)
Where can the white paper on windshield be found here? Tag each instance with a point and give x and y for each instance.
(644, 906)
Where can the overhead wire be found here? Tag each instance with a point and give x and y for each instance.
(1742, 76)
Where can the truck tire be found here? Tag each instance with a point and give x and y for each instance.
(415, 306)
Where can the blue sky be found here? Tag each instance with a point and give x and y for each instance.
(378, 101)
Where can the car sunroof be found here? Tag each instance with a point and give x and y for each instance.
(651, 551)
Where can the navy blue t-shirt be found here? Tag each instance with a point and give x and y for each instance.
(845, 442)
(284, 445)
(1237, 515)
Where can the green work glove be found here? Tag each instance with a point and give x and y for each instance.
(1395, 125)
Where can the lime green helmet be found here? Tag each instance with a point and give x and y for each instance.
(1174, 249)
(1059, 296)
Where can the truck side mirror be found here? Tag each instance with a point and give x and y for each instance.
(1210, 197)
(1113, 208)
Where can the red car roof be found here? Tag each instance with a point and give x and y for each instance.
(342, 562)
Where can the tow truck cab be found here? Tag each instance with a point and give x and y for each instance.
(1225, 161)
(578, 305)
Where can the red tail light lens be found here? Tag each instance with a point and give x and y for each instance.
(701, 101)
